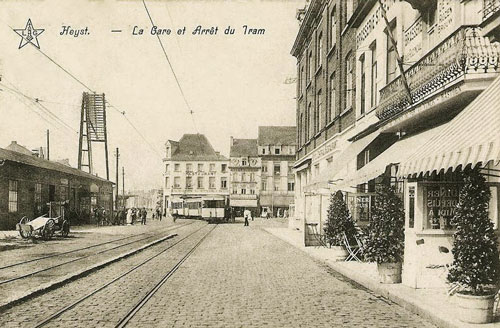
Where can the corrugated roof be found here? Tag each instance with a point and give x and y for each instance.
(195, 147)
(243, 147)
(31, 160)
(277, 135)
(472, 137)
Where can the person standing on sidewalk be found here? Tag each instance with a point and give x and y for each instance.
(144, 213)
(129, 216)
(246, 214)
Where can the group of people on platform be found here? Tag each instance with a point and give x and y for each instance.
(131, 215)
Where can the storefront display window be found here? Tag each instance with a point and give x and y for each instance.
(440, 201)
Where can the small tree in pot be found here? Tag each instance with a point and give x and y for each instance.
(384, 243)
(339, 222)
(475, 251)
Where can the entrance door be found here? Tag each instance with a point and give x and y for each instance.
(52, 193)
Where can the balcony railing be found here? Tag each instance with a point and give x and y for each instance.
(490, 7)
(463, 52)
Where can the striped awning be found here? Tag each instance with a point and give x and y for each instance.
(472, 137)
(395, 154)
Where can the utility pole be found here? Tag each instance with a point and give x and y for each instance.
(117, 154)
(123, 186)
(48, 144)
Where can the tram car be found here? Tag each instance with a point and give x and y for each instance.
(205, 207)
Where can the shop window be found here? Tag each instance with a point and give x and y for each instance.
(361, 206)
(13, 205)
(440, 201)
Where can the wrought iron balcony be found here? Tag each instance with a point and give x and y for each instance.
(490, 7)
(463, 52)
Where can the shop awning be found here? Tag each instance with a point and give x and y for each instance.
(395, 154)
(304, 164)
(472, 137)
(344, 158)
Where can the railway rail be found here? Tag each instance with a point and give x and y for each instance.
(33, 273)
(131, 313)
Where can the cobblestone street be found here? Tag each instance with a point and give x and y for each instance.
(238, 277)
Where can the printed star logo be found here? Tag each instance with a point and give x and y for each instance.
(29, 35)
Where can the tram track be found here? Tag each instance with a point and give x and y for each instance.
(33, 273)
(131, 313)
(83, 248)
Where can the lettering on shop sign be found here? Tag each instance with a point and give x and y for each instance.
(329, 147)
(440, 204)
(199, 173)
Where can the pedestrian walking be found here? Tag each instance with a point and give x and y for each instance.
(130, 214)
(246, 214)
(144, 213)
(158, 213)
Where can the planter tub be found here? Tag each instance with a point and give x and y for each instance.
(339, 253)
(475, 309)
(389, 273)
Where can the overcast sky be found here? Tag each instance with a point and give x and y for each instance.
(233, 83)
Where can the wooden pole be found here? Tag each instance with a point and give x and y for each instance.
(48, 144)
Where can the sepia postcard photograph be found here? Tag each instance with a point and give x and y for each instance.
(250, 163)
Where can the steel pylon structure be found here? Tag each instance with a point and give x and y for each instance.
(92, 129)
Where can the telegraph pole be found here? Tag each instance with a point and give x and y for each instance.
(117, 154)
(48, 145)
(123, 186)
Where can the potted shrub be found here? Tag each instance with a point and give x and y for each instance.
(339, 221)
(384, 242)
(475, 252)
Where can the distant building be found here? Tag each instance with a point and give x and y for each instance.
(193, 169)
(245, 167)
(150, 199)
(28, 183)
(276, 149)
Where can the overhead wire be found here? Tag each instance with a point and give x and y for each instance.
(89, 89)
(43, 108)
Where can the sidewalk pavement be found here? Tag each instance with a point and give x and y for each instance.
(433, 304)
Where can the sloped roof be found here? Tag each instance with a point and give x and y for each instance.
(243, 147)
(31, 160)
(195, 147)
(277, 135)
(14, 146)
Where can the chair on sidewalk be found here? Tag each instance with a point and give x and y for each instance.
(353, 250)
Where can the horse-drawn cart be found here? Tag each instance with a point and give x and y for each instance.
(46, 225)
